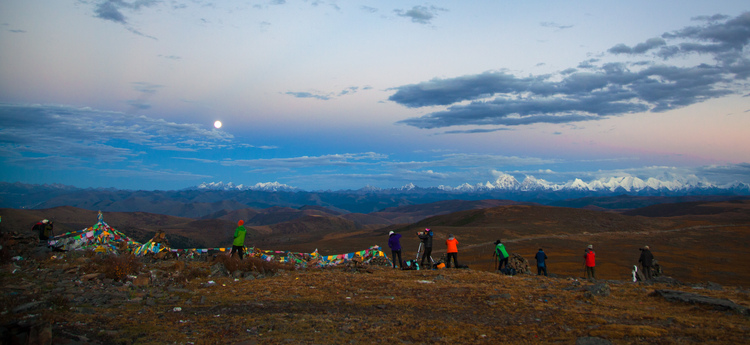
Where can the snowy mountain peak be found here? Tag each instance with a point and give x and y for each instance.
(506, 181)
(260, 186)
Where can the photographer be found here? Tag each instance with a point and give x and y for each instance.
(646, 260)
(426, 238)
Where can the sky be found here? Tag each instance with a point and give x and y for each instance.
(336, 95)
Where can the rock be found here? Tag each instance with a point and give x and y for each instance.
(592, 341)
(142, 280)
(666, 280)
(502, 295)
(91, 276)
(692, 298)
(39, 332)
(519, 263)
(218, 270)
(713, 286)
(600, 289)
(31, 305)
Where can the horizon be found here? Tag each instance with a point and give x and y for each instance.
(337, 96)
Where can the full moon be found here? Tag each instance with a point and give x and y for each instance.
(217, 124)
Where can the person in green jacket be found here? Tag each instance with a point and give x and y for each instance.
(501, 254)
(238, 246)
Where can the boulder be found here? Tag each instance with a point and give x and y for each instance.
(600, 289)
(692, 298)
(592, 341)
(218, 270)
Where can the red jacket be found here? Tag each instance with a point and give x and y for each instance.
(452, 245)
(590, 258)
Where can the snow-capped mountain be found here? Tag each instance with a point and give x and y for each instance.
(508, 183)
(631, 184)
(260, 186)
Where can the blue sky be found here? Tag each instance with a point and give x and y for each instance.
(343, 94)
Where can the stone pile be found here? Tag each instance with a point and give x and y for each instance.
(518, 263)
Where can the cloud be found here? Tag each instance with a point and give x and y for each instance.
(721, 37)
(477, 130)
(555, 25)
(18, 31)
(345, 159)
(108, 10)
(420, 14)
(327, 96)
(319, 96)
(638, 48)
(88, 136)
(598, 91)
(111, 10)
(468, 160)
(148, 173)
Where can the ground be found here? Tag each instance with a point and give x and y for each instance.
(349, 305)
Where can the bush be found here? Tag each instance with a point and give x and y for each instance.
(118, 267)
(251, 264)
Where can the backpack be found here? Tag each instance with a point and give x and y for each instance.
(411, 265)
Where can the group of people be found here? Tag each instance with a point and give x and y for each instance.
(501, 254)
(425, 237)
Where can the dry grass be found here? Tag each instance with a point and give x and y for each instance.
(337, 306)
(118, 267)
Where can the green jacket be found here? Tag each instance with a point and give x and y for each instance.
(239, 236)
(500, 251)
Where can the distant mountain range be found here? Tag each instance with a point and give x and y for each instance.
(683, 185)
(215, 199)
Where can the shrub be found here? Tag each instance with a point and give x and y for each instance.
(251, 264)
(118, 267)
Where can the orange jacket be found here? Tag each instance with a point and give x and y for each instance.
(452, 245)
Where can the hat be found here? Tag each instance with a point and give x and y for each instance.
(390, 233)
(426, 229)
(646, 247)
(498, 242)
(241, 222)
(45, 221)
(591, 246)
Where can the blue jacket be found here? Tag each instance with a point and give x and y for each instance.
(393, 242)
(540, 257)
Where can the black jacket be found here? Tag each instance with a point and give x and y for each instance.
(646, 258)
(426, 239)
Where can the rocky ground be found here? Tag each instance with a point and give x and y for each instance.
(87, 298)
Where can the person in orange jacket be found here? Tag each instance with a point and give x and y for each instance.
(452, 244)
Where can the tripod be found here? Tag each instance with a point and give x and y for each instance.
(419, 250)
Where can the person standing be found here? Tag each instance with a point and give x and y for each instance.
(501, 253)
(589, 262)
(44, 227)
(452, 244)
(647, 261)
(394, 242)
(238, 246)
(541, 256)
(426, 238)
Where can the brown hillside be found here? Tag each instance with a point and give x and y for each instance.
(367, 220)
(234, 216)
(415, 213)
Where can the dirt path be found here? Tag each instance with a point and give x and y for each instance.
(599, 234)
